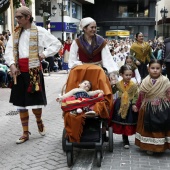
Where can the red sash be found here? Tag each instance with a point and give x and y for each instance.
(23, 64)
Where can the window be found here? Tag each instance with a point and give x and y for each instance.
(123, 11)
(46, 7)
(67, 9)
(146, 13)
(76, 11)
(131, 10)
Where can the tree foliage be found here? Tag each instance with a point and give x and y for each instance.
(17, 4)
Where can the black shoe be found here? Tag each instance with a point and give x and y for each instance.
(125, 141)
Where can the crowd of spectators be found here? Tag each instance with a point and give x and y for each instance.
(5, 77)
(119, 49)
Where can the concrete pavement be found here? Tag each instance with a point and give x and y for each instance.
(39, 152)
(45, 153)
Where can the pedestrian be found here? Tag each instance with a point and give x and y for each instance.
(5, 70)
(29, 90)
(166, 56)
(142, 53)
(153, 127)
(91, 48)
(66, 52)
(124, 117)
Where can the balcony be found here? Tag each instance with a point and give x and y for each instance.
(132, 14)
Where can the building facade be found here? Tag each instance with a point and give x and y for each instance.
(162, 24)
(126, 17)
(66, 22)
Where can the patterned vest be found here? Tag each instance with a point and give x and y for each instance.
(85, 57)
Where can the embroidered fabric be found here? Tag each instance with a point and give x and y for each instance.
(153, 141)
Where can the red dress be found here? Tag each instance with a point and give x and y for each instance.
(66, 52)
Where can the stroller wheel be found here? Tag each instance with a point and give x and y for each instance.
(69, 158)
(110, 139)
(64, 140)
(99, 156)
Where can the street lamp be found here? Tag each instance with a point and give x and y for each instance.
(164, 13)
(46, 12)
(62, 5)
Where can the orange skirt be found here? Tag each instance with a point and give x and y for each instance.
(150, 141)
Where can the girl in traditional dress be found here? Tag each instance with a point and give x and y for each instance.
(136, 78)
(153, 127)
(124, 117)
(142, 53)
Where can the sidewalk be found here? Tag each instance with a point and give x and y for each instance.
(39, 153)
(45, 153)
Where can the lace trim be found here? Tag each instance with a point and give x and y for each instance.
(153, 141)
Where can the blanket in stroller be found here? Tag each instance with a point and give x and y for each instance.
(71, 103)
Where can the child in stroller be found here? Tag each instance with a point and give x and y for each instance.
(80, 95)
(102, 105)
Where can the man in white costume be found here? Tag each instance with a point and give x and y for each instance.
(24, 57)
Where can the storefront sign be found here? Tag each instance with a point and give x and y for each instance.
(57, 26)
(117, 33)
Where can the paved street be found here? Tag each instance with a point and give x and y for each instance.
(45, 153)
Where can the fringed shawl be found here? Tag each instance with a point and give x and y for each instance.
(34, 61)
(127, 93)
(33, 46)
(155, 94)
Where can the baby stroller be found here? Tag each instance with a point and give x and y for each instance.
(84, 131)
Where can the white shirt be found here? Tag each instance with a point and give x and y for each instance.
(107, 59)
(45, 40)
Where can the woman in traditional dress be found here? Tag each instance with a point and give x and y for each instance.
(66, 52)
(142, 53)
(91, 48)
(153, 127)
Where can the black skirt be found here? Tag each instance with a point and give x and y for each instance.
(143, 70)
(20, 96)
(157, 120)
(131, 118)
